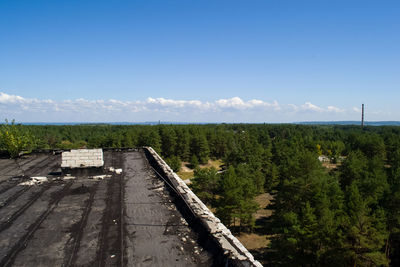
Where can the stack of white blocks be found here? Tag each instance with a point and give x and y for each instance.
(82, 158)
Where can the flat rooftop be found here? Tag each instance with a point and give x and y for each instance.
(121, 219)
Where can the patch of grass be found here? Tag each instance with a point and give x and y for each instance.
(253, 241)
(212, 163)
(185, 174)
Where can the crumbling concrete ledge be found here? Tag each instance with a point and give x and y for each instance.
(233, 253)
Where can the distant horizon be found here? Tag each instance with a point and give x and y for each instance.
(366, 123)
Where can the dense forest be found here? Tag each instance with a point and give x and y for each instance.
(348, 215)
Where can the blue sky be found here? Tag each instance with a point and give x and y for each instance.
(199, 61)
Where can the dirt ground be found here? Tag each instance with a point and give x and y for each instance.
(330, 166)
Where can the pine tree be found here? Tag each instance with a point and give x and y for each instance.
(365, 232)
(231, 193)
(305, 222)
(168, 141)
(183, 145)
(205, 184)
(199, 147)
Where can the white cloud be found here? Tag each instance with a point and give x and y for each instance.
(335, 109)
(173, 103)
(232, 109)
(238, 103)
(311, 107)
(6, 99)
(234, 102)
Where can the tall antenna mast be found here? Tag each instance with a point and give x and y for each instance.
(362, 116)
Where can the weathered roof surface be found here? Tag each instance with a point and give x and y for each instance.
(124, 219)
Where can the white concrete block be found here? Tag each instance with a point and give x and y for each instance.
(82, 158)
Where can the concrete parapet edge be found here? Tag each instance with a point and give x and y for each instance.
(234, 252)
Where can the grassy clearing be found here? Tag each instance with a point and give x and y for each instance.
(212, 163)
(254, 241)
(187, 173)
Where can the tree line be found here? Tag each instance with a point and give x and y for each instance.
(349, 215)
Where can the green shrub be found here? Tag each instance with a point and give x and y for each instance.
(15, 139)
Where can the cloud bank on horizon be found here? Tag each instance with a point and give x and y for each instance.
(228, 110)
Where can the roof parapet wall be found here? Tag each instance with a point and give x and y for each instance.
(234, 251)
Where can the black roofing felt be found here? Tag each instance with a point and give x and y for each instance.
(125, 219)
